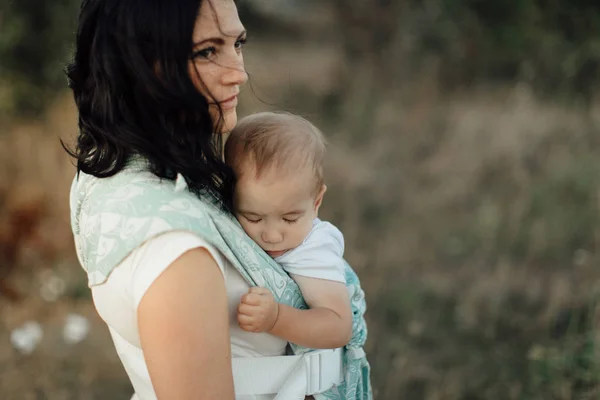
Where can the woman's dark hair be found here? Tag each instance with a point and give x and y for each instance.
(131, 83)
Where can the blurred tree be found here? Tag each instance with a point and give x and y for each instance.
(552, 45)
(368, 32)
(35, 40)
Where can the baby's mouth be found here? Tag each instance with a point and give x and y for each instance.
(276, 253)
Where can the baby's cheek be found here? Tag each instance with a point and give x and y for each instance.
(302, 232)
(247, 228)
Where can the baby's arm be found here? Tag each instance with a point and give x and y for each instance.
(326, 325)
(328, 322)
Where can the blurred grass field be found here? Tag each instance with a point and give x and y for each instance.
(471, 216)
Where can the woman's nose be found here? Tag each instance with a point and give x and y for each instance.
(234, 73)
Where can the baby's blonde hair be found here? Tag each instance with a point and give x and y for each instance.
(282, 140)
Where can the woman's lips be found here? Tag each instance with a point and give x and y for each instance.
(229, 103)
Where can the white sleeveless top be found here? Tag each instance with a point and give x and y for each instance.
(118, 298)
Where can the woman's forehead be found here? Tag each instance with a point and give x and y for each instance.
(217, 19)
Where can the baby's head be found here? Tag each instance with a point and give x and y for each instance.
(278, 162)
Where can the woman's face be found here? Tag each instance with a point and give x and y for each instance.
(217, 64)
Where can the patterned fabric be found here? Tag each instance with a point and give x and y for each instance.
(110, 217)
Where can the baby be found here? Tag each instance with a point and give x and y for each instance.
(278, 162)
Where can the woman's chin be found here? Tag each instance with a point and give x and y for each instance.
(227, 122)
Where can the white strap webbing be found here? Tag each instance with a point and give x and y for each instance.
(291, 377)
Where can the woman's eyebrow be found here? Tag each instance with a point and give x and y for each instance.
(218, 39)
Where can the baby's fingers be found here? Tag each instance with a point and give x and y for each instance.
(247, 323)
(244, 319)
(252, 299)
(247, 309)
(259, 290)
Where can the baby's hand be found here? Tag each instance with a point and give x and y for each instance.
(258, 310)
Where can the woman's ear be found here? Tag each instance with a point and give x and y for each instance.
(319, 198)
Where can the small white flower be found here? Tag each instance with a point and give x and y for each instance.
(52, 288)
(57, 285)
(76, 329)
(27, 337)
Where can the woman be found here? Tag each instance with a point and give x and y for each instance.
(156, 84)
(157, 79)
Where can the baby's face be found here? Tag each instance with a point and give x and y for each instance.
(275, 210)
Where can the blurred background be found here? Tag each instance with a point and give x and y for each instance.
(463, 169)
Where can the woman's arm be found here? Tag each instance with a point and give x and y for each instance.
(184, 330)
(326, 325)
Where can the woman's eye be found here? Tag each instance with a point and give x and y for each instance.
(240, 43)
(204, 53)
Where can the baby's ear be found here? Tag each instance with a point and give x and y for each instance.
(319, 198)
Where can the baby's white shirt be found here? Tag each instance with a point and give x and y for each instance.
(319, 255)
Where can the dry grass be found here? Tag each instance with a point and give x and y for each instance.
(35, 174)
(474, 225)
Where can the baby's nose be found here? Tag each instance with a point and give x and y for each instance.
(272, 237)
